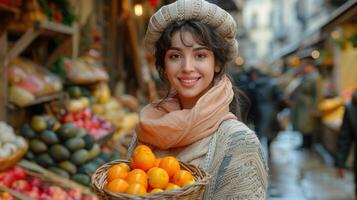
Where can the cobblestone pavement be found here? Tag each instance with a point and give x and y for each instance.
(303, 174)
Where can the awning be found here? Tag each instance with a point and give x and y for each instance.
(346, 13)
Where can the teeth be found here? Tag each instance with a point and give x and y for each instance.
(188, 81)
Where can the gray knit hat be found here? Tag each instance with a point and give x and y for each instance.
(212, 15)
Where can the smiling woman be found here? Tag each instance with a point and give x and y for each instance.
(199, 119)
(189, 68)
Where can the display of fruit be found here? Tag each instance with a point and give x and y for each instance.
(10, 143)
(18, 179)
(147, 174)
(95, 125)
(27, 81)
(84, 70)
(68, 151)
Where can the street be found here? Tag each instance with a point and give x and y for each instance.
(303, 174)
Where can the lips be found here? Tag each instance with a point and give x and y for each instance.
(188, 81)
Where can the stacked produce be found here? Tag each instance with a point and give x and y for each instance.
(10, 143)
(147, 174)
(29, 81)
(78, 112)
(63, 149)
(19, 180)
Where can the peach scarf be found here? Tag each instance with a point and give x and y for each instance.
(169, 126)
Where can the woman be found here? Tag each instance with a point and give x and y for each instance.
(198, 121)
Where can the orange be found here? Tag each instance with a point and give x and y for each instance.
(182, 177)
(170, 164)
(158, 178)
(172, 186)
(116, 171)
(141, 147)
(189, 183)
(117, 185)
(157, 162)
(124, 166)
(137, 176)
(156, 190)
(143, 160)
(136, 188)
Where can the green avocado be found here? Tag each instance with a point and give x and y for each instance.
(27, 132)
(68, 166)
(67, 131)
(75, 92)
(93, 152)
(49, 137)
(82, 179)
(88, 139)
(79, 157)
(88, 168)
(44, 160)
(59, 152)
(37, 146)
(74, 144)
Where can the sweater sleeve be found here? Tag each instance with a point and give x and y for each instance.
(239, 168)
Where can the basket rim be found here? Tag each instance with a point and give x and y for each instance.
(199, 182)
(19, 153)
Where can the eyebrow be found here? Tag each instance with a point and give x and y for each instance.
(194, 49)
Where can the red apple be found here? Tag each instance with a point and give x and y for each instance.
(19, 172)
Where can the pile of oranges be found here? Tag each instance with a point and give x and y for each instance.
(147, 174)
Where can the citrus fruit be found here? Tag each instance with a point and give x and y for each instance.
(170, 164)
(137, 176)
(136, 188)
(156, 190)
(157, 162)
(143, 160)
(124, 166)
(117, 185)
(172, 186)
(182, 177)
(116, 171)
(140, 148)
(158, 178)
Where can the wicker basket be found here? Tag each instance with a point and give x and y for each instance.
(13, 159)
(192, 192)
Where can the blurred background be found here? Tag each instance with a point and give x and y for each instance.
(83, 61)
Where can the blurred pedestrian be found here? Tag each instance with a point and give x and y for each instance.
(267, 98)
(347, 137)
(304, 101)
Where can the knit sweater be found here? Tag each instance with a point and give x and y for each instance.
(234, 159)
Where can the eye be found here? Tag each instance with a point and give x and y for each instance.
(174, 56)
(201, 55)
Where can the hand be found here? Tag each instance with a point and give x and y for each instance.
(340, 172)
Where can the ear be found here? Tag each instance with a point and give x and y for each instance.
(217, 69)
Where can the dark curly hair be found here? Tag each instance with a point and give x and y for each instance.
(206, 36)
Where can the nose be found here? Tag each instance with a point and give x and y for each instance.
(188, 64)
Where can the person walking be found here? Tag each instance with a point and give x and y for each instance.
(304, 102)
(347, 137)
(199, 119)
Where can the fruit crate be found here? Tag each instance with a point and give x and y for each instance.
(28, 182)
(194, 191)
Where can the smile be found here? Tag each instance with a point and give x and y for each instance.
(188, 82)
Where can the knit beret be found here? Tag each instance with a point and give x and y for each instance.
(199, 10)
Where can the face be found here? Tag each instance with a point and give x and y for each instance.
(189, 67)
